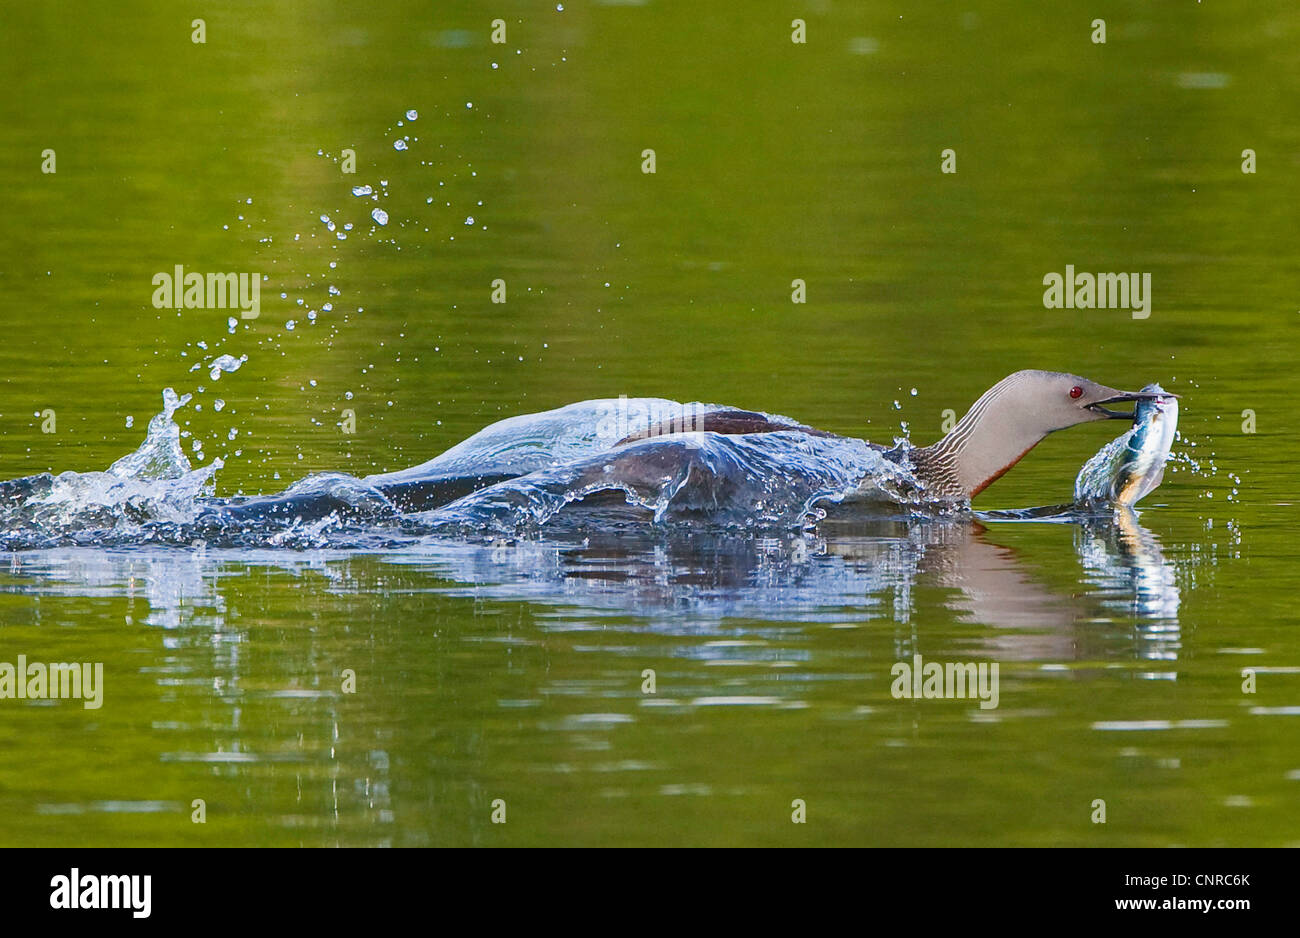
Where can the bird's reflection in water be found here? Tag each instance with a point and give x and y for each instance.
(906, 586)
(1128, 600)
(1123, 602)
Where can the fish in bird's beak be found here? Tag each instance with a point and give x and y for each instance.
(1122, 397)
(1132, 466)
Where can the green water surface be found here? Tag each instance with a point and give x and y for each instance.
(775, 161)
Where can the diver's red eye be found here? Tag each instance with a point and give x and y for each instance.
(1076, 392)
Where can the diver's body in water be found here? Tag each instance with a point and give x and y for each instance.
(429, 493)
(1001, 427)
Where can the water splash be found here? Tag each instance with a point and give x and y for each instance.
(149, 491)
(782, 479)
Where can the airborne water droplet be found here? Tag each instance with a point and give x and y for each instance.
(226, 363)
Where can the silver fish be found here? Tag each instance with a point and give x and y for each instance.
(1131, 466)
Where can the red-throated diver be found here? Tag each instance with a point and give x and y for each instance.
(1007, 421)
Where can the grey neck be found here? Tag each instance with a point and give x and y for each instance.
(988, 441)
